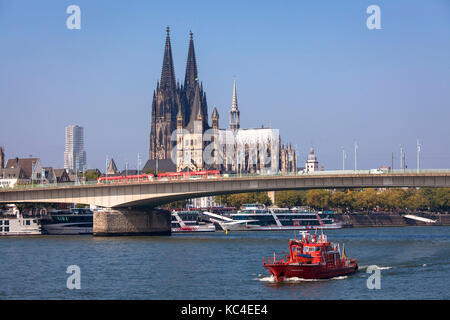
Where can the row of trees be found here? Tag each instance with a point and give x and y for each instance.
(236, 200)
(432, 199)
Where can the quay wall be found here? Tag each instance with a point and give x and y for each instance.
(361, 220)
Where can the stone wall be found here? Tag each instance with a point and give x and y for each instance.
(124, 222)
(359, 220)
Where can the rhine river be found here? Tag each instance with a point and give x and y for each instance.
(414, 262)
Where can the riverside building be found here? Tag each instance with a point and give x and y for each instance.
(74, 154)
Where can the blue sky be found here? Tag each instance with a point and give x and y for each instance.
(310, 68)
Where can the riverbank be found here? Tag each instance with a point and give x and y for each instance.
(365, 220)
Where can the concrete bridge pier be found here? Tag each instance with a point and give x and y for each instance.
(132, 222)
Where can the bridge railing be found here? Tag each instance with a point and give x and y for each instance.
(48, 185)
(230, 176)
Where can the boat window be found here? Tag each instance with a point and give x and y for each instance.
(6, 229)
(27, 222)
(6, 222)
(1, 229)
(1, 222)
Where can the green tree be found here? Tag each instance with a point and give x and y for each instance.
(392, 199)
(366, 199)
(441, 199)
(238, 199)
(416, 200)
(289, 198)
(91, 175)
(176, 204)
(340, 199)
(318, 199)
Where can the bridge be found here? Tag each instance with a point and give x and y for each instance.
(127, 200)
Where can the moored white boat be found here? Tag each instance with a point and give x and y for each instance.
(15, 224)
(187, 221)
(74, 222)
(259, 218)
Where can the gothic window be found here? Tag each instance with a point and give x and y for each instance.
(268, 152)
(159, 137)
(247, 156)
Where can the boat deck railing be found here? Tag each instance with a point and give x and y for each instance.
(276, 258)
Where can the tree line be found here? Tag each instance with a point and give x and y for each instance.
(367, 199)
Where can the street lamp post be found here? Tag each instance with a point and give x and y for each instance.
(106, 169)
(418, 155)
(401, 157)
(138, 164)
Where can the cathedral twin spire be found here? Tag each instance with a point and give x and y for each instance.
(170, 101)
(168, 72)
(191, 76)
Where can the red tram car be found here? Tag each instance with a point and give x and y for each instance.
(161, 176)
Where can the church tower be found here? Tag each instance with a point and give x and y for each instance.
(180, 141)
(215, 119)
(165, 105)
(191, 82)
(234, 113)
(312, 164)
(191, 78)
(215, 154)
(2, 158)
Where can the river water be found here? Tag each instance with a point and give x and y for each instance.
(414, 263)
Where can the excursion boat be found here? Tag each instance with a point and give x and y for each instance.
(312, 257)
(77, 221)
(13, 223)
(256, 217)
(189, 221)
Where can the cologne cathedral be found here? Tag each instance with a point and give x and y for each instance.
(181, 138)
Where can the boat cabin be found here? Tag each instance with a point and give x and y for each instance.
(313, 249)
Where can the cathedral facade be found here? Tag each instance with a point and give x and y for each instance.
(181, 134)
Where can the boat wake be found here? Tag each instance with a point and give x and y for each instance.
(379, 267)
(271, 279)
(384, 268)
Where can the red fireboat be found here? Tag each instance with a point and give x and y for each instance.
(312, 257)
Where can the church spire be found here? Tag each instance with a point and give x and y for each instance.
(167, 73)
(234, 113)
(196, 108)
(234, 104)
(191, 66)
